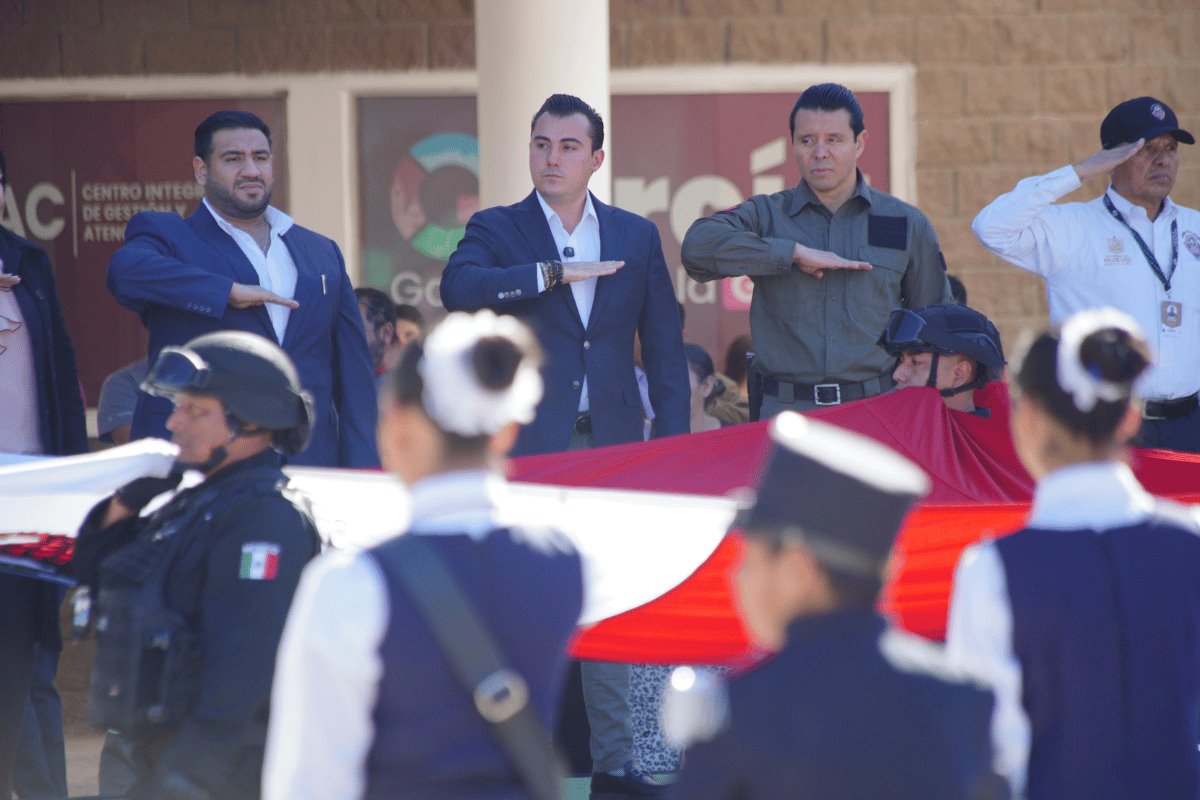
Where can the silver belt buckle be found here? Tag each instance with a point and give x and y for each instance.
(1147, 415)
(837, 394)
(501, 695)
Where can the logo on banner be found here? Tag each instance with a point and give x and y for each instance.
(736, 293)
(1192, 242)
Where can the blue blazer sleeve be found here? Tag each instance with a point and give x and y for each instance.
(147, 269)
(354, 393)
(474, 278)
(662, 348)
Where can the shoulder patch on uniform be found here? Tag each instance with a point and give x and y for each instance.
(1192, 242)
(260, 561)
(889, 232)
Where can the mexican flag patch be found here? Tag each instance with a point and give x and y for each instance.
(260, 561)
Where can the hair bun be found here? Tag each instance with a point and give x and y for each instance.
(1110, 354)
(495, 360)
(480, 372)
(1101, 353)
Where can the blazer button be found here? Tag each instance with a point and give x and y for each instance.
(517, 292)
(587, 345)
(575, 384)
(500, 295)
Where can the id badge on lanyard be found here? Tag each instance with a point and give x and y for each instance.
(1170, 317)
(1170, 312)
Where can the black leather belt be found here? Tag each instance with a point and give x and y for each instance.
(1170, 409)
(826, 394)
(583, 424)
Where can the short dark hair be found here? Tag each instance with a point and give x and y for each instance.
(410, 313)
(957, 290)
(564, 105)
(223, 121)
(698, 360)
(1110, 354)
(735, 358)
(828, 97)
(379, 306)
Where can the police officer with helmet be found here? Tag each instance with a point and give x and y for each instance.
(189, 601)
(949, 347)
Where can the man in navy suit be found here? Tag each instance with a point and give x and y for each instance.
(586, 277)
(238, 263)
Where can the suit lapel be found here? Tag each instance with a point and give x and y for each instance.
(612, 241)
(308, 283)
(531, 222)
(242, 271)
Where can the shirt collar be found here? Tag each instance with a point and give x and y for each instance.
(589, 211)
(1130, 210)
(804, 195)
(279, 221)
(463, 501)
(1096, 495)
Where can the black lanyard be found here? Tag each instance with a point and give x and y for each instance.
(1150, 259)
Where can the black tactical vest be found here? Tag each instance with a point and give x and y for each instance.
(146, 671)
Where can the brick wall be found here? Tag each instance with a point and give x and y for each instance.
(1006, 88)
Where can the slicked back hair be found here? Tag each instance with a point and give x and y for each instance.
(564, 105)
(828, 97)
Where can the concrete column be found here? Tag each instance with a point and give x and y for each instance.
(319, 115)
(525, 51)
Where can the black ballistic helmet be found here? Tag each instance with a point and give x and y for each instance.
(947, 329)
(252, 377)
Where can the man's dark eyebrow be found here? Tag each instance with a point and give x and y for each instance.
(236, 152)
(543, 138)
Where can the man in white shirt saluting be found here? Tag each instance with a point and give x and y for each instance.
(1131, 248)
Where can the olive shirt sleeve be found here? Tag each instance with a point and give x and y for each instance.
(924, 281)
(736, 242)
(242, 612)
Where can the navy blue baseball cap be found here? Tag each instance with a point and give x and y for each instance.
(1141, 118)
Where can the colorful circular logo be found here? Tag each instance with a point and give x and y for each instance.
(435, 190)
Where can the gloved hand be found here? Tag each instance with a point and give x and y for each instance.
(137, 493)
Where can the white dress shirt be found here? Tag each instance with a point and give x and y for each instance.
(585, 241)
(328, 668)
(979, 642)
(1089, 259)
(20, 420)
(276, 269)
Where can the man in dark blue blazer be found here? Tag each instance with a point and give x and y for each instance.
(237, 263)
(585, 306)
(41, 412)
(586, 277)
(848, 707)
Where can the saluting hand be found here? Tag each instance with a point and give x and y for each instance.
(244, 295)
(582, 270)
(815, 262)
(1105, 161)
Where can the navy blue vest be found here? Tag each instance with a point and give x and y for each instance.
(1107, 629)
(430, 742)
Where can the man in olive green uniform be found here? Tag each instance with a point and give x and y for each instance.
(830, 260)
